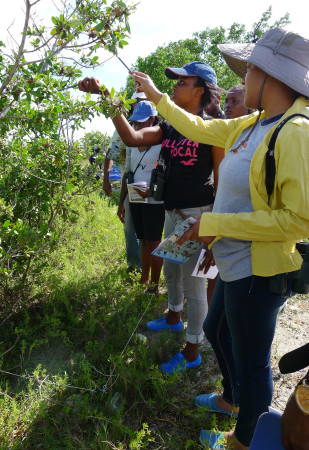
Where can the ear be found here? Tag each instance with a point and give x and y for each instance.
(199, 91)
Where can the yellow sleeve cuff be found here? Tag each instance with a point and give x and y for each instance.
(209, 224)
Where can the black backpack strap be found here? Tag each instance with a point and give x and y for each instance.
(139, 163)
(270, 155)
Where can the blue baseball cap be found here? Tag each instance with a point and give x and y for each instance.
(143, 111)
(193, 69)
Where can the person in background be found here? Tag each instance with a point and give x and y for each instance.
(261, 210)
(148, 218)
(213, 109)
(191, 177)
(116, 151)
(92, 160)
(117, 154)
(234, 103)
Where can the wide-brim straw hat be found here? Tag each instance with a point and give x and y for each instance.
(282, 54)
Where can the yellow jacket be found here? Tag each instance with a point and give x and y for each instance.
(273, 229)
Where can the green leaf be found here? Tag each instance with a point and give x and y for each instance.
(74, 23)
(131, 100)
(37, 94)
(6, 224)
(88, 97)
(127, 25)
(61, 96)
(54, 20)
(100, 26)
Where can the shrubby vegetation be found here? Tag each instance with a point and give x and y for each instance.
(95, 139)
(75, 372)
(41, 166)
(78, 369)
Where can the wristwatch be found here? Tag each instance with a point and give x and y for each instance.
(302, 397)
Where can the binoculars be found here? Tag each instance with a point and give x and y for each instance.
(130, 177)
(157, 184)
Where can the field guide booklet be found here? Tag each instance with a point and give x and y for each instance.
(168, 249)
(134, 196)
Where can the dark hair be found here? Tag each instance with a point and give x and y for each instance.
(236, 88)
(157, 120)
(212, 93)
(298, 94)
(239, 88)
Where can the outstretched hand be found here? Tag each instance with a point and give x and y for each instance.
(193, 235)
(146, 85)
(91, 85)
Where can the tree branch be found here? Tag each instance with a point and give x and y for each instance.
(20, 50)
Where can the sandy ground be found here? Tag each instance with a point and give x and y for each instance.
(292, 332)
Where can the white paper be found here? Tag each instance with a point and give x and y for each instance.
(134, 196)
(211, 273)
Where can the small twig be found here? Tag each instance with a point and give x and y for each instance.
(7, 351)
(7, 395)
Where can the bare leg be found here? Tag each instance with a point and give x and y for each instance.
(221, 403)
(155, 265)
(233, 443)
(145, 262)
(173, 317)
(190, 352)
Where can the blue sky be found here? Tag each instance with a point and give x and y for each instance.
(157, 22)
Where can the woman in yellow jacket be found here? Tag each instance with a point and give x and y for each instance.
(253, 228)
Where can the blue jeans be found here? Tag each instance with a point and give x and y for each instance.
(133, 249)
(240, 326)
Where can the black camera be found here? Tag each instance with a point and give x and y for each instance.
(297, 281)
(157, 184)
(130, 177)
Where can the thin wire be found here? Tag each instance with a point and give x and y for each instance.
(129, 340)
(106, 386)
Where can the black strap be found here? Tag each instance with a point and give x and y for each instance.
(270, 156)
(139, 163)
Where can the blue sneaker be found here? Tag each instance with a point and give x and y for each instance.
(160, 325)
(212, 440)
(208, 401)
(178, 364)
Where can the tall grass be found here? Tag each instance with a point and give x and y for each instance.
(78, 367)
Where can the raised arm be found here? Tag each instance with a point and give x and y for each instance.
(131, 138)
(212, 132)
